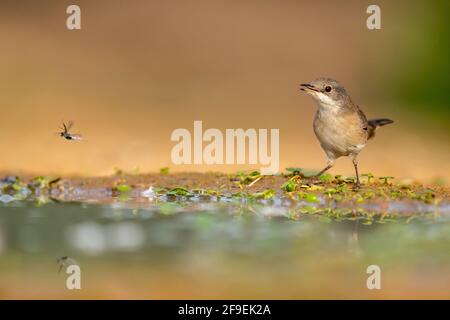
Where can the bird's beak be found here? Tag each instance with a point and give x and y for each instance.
(308, 88)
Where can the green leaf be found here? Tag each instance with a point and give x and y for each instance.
(295, 171)
(123, 188)
(266, 194)
(311, 197)
(326, 177)
(289, 186)
(386, 179)
(368, 175)
(179, 191)
(164, 170)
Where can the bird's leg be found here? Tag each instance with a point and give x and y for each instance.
(355, 164)
(324, 170)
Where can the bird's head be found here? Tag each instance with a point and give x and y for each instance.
(328, 93)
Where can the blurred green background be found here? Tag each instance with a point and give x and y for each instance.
(418, 66)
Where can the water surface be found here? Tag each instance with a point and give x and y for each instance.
(215, 250)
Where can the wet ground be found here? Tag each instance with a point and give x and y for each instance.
(223, 236)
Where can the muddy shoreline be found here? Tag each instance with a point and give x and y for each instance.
(291, 191)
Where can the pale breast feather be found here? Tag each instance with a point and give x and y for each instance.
(343, 135)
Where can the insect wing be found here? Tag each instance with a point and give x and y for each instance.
(77, 137)
(69, 125)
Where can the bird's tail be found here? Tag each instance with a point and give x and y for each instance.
(375, 123)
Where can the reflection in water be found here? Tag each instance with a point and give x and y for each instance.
(353, 240)
(94, 238)
(215, 251)
(64, 262)
(87, 237)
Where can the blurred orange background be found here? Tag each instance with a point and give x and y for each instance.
(137, 70)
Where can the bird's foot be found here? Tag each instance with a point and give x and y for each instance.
(357, 186)
(314, 179)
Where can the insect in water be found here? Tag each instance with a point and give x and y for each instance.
(64, 262)
(67, 135)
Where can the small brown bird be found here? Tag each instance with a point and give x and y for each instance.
(339, 124)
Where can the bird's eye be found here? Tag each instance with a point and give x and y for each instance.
(327, 89)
